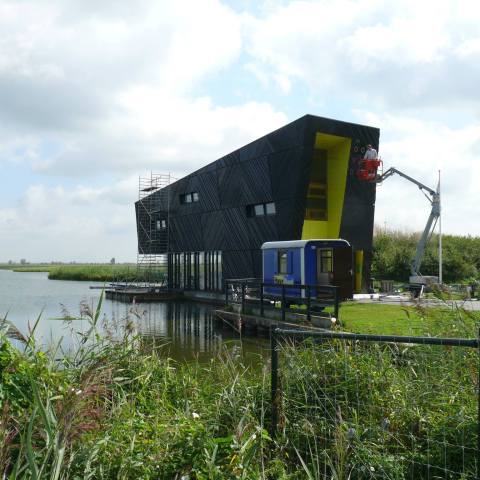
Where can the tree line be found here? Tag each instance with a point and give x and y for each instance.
(393, 252)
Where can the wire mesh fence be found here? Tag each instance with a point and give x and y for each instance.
(352, 406)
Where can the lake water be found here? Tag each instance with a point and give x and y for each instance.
(188, 330)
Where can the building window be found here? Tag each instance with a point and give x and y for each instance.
(270, 209)
(282, 261)
(261, 209)
(189, 197)
(161, 224)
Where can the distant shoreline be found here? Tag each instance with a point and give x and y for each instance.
(100, 272)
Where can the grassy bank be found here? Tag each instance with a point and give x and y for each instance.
(120, 409)
(100, 273)
(84, 272)
(27, 268)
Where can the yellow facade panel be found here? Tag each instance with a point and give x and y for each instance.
(338, 154)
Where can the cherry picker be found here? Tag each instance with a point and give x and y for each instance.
(369, 171)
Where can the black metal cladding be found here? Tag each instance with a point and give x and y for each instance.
(274, 168)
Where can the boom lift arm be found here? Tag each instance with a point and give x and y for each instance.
(434, 198)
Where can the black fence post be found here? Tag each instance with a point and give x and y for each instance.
(309, 304)
(335, 311)
(283, 303)
(274, 381)
(243, 297)
(478, 406)
(261, 299)
(226, 293)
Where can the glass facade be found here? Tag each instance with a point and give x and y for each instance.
(195, 270)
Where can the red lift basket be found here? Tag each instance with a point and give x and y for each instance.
(368, 169)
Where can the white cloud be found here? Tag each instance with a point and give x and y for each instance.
(59, 71)
(420, 149)
(83, 223)
(92, 90)
(174, 43)
(110, 88)
(160, 132)
(414, 66)
(392, 54)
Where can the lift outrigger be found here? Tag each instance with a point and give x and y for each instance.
(368, 171)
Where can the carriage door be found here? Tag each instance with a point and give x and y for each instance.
(324, 266)
(343, 273)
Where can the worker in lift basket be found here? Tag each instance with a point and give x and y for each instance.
(370, 154)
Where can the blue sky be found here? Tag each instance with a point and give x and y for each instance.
(95, 94)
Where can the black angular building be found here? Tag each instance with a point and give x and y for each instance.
(298, 182)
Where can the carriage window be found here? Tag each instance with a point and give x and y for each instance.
(326, 260)
(282, 261)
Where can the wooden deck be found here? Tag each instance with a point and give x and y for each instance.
(138, 294)
(253, 322)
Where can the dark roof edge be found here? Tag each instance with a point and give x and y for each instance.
(298, 120)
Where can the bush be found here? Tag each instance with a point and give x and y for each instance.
(393, 252)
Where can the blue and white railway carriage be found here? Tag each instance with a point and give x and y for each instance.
(308, 262)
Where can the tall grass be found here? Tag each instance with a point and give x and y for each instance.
(118, 407)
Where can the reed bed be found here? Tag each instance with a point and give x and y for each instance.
(90, 272)
(96, 273)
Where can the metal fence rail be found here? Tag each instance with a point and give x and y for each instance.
(378, 406)
(256, 292)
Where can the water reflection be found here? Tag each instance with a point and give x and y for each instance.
(188, 330)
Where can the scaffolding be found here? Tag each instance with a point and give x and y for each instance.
(153, 209)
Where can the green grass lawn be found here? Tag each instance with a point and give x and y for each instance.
(382, 319)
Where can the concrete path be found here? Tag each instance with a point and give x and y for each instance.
(473, 304)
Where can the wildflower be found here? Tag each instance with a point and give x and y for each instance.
(372, 469)
(333, 320)
(195, 415)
